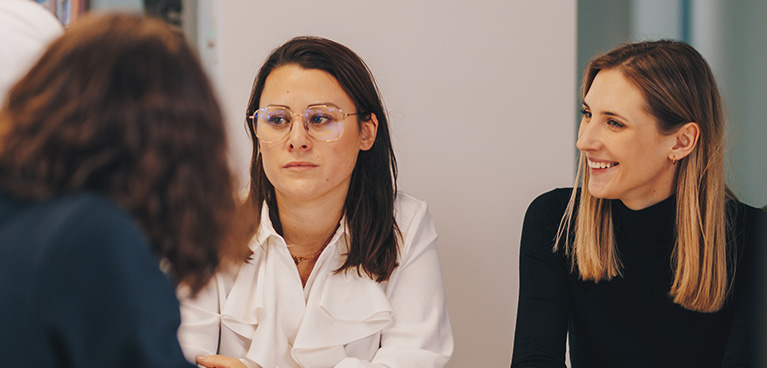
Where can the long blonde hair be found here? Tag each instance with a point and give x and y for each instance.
(679, 87)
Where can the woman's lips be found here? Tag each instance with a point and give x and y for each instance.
(299, 165)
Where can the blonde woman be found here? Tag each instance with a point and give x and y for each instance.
(652, 262)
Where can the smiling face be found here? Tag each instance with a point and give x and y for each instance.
(300, 167)
(627, 155)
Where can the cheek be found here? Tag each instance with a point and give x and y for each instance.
(350, 159)
(345, 161)
(645, 162)
(268, 163)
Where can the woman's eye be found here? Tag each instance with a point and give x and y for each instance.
(615, 124)
(278, 121)
(319, 119)
(586, 114)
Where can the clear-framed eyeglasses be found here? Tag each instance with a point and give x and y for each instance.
(322, 122)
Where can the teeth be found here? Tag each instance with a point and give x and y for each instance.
(600, 165)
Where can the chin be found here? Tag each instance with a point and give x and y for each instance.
(296, 190)
(600, 192)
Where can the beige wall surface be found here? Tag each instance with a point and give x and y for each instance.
(481, 97)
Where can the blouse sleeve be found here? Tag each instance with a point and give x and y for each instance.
(543, 309)
(200, 320)
(420, 335)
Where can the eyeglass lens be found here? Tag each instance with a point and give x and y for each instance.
(324, 123)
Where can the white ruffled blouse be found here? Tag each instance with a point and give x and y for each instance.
(261, 314)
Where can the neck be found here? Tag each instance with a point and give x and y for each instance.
(308, 225)
(652, 197)
(645, 202)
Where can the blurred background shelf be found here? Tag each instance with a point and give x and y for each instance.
(182, 14)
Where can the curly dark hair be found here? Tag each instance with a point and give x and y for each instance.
(120, 106)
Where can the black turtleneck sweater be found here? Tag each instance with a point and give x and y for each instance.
(630, 321)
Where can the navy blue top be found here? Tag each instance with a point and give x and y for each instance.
(80, 287)
(630, 321)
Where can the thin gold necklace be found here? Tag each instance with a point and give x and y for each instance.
(299, 259)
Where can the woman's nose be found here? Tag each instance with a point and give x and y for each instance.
(588, 139)
(298, 137)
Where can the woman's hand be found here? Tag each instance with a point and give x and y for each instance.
(219, 361)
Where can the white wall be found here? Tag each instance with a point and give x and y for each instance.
(481, 97)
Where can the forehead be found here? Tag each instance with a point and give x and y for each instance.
(293, 86)
(612, 90)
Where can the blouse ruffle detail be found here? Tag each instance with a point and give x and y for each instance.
(261, 314)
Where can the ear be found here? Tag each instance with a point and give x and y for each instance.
(686, 139)
(368, 131)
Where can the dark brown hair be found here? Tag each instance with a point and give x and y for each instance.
(678, 87)
(120, 106)
(369, 207)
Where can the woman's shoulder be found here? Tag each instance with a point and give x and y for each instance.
(406, 200)
(407, 207)
(551, 204)
(757, 214)
(557, 195)
(92, 212)
(86, 224)
(541, 224)
(75, 236)
(748, 226)
(75, 213)
(747, 218)
(414, 223)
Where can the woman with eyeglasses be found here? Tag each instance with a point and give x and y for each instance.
(343, 270)
(114, 185)
(652, 262)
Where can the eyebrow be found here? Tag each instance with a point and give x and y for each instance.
(307, 106)
(283, 106)
(324, 103)
(609, 113)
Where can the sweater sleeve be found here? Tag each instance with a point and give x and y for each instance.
(543, 309)
(747, 339)
(101, 297)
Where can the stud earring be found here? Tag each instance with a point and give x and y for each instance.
(673, 160)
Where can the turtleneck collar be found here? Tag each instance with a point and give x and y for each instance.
(654, 222)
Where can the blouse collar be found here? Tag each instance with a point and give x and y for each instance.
(266, 230)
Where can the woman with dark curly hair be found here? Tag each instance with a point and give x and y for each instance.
(112, 163)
